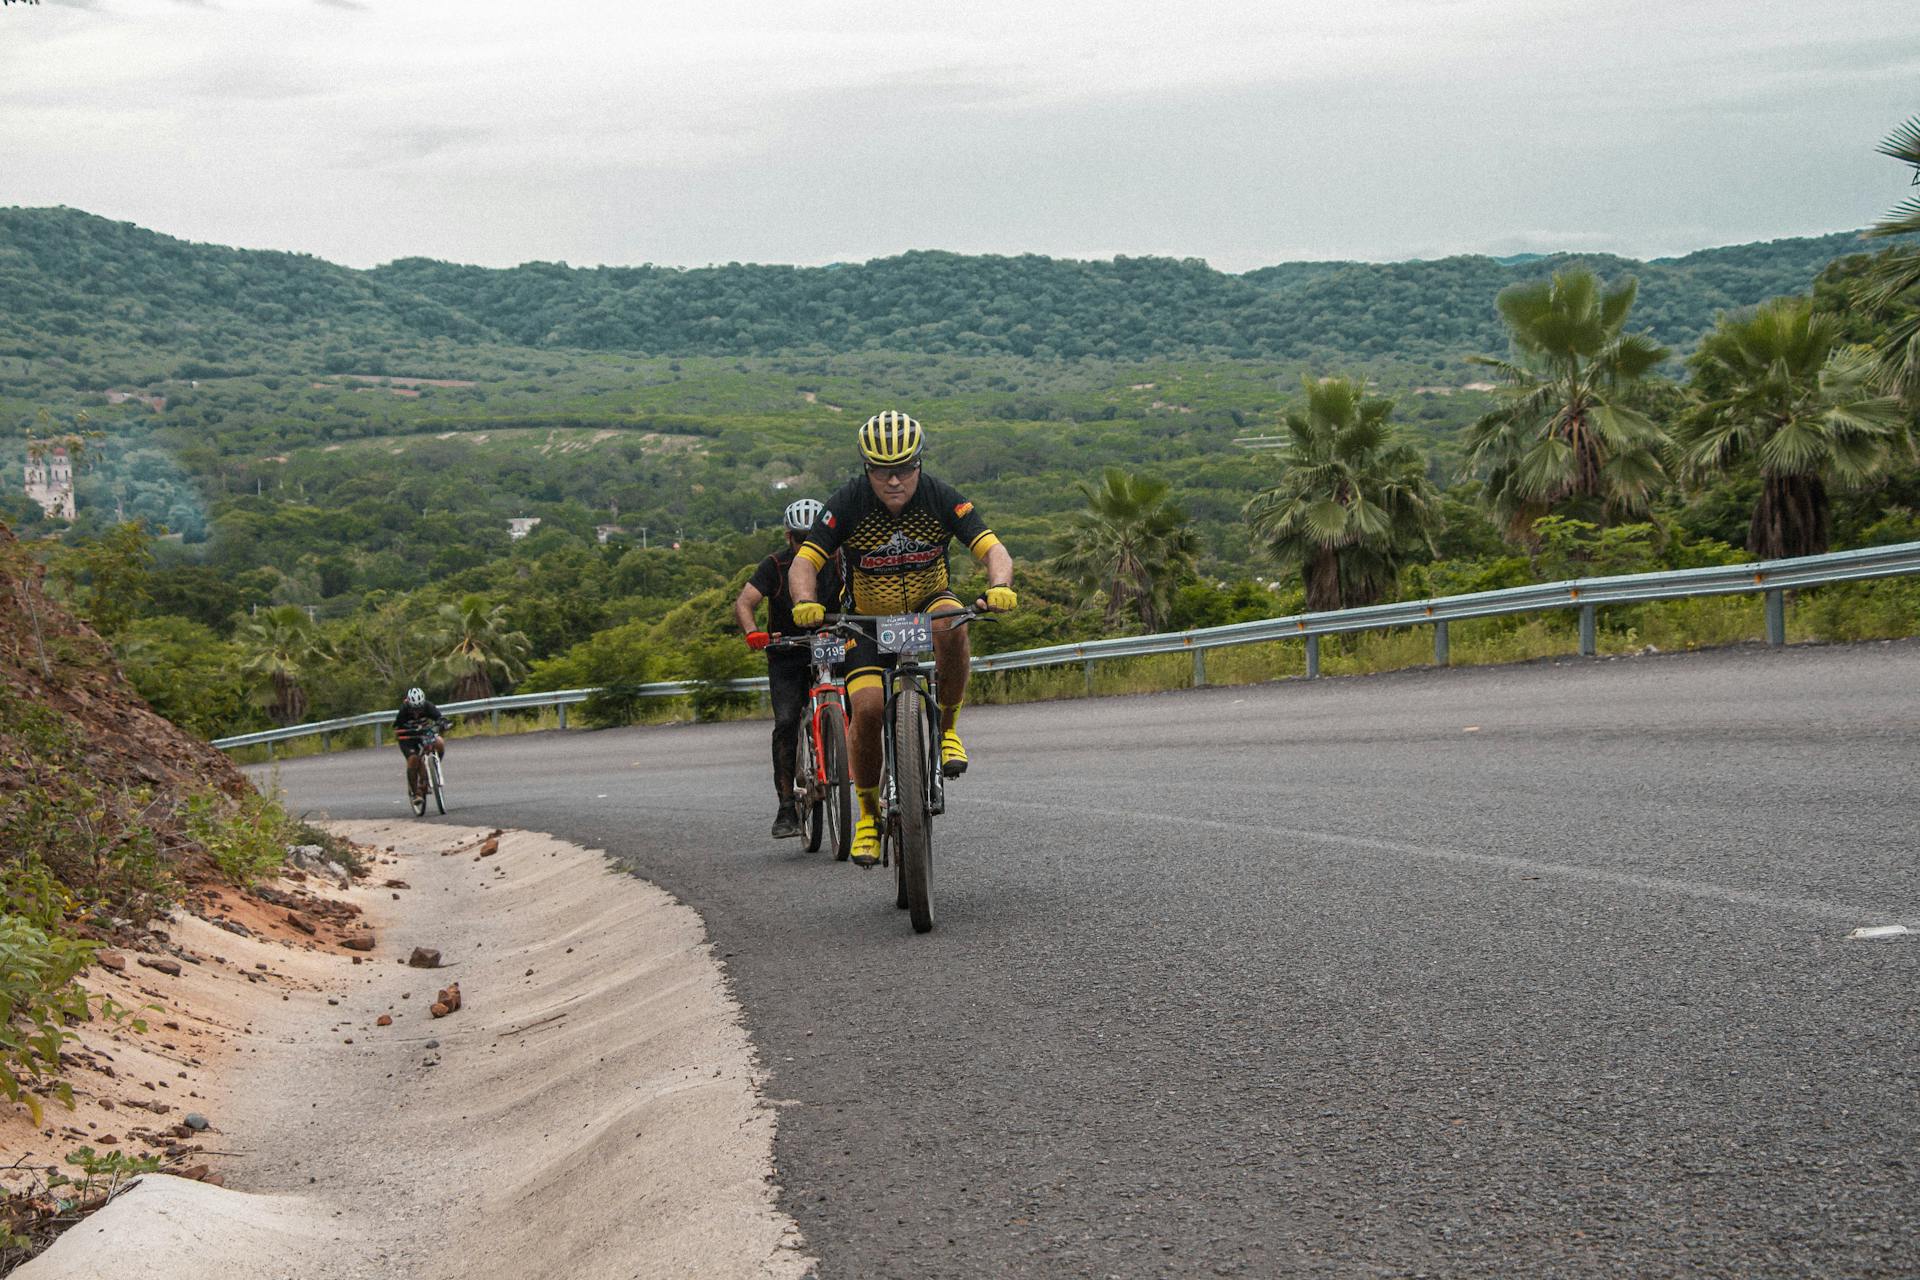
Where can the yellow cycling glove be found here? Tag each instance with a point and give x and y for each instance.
(1001, 599)
(809, 613)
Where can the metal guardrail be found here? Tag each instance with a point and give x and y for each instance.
(1771, 578)
(380, 720)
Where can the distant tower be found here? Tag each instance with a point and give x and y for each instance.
(50, 482)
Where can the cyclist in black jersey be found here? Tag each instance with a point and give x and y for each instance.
(895, 523)
(789, 672)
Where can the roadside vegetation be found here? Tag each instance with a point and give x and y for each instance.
(109, 819)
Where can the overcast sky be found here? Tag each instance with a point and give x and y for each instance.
(1245, 132)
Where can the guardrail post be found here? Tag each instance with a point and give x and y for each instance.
(269, 751)
(1776, 618)
(1088, 664)
(562, 709)
(1440, 644)
(1588, 647)
(376, 733)
(495, 718)
(1199, 667)
(1313, 657)
(326, 743)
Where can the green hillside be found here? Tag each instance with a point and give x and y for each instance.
(90, 291)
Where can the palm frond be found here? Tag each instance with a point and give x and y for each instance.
(1903, 144)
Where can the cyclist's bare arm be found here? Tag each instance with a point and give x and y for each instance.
(803, 580)
(743, 606)
(998, 563)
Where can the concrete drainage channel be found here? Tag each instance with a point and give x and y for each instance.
(591, 1109)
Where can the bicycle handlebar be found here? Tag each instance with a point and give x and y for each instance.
(851, 622)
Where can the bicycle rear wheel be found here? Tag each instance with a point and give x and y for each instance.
(838, 806)
(433, 777)
(915, 823)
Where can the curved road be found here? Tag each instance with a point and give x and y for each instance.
(1534, 970)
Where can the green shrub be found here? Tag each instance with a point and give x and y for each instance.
(38, 998)
(246, 843)
(710, 667)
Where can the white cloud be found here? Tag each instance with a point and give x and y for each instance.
(695, 130)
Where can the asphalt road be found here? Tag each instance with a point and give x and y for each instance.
(1536, 970)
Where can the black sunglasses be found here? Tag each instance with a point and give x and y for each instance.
(901, 471)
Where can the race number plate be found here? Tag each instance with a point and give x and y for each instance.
(906, 633)
(830, 649)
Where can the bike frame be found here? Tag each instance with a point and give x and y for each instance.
(921, 670)
(827, 692)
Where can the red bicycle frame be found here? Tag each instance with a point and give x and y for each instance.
(836, 699)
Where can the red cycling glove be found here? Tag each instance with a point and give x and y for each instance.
(757, 639)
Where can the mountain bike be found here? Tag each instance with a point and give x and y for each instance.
(433, 773)
(913, 789)
(822, 781)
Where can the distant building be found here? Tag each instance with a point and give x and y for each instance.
(603, 532)
(50, 482)
(520, 526)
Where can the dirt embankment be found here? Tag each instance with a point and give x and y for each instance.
(589, 1109)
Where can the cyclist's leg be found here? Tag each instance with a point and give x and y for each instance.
(787, 684)
(951, 655)
(866, 690)
(787, 689)
(411, 750)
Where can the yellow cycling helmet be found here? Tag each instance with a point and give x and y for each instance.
(889, 439)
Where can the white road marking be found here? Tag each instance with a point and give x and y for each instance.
(1593, 875)
(1869, 931)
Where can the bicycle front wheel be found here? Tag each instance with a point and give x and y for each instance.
(915, 822)
(434, 778)
(807, 791)
(838, 805)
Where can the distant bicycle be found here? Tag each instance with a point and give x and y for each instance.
(822, 780)
(913, 789)
(432, 775)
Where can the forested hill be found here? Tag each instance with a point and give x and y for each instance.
(68, 278)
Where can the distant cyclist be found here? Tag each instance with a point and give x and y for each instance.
(418, 723)
(789, 671)
(895, 524)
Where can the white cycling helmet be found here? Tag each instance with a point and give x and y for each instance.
(416, 697)
(802, 514)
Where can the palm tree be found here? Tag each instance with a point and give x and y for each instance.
(1131, 543)
(1779, 389)
(1893, 279)
(278, 646)
(1564, 430)
(1350, 504)
(476, 649)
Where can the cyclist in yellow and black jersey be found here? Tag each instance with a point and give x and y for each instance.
(895, 524)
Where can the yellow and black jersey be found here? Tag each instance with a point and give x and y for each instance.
(895, 564)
